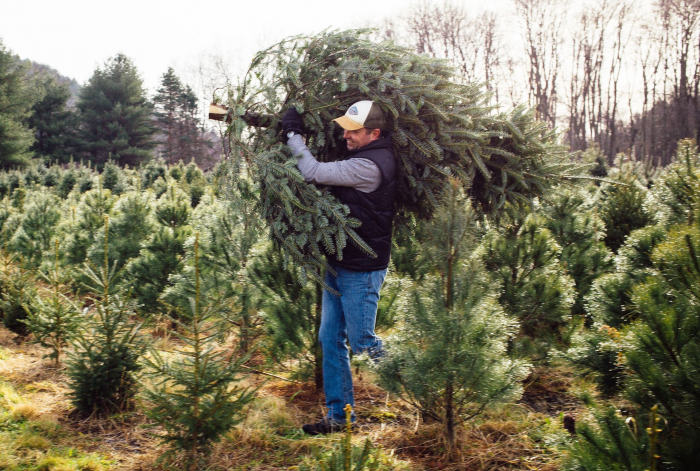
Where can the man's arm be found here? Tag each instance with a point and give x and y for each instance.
(362, 174)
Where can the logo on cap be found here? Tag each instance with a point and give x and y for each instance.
(353, 110)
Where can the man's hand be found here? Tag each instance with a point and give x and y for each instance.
(291, 121)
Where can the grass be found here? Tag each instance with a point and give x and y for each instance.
(39, 432)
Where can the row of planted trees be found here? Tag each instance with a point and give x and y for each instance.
(599, 275)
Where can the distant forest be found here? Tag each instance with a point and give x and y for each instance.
(48, 116)
(623, 75)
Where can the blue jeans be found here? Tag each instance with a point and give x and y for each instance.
(348, 318)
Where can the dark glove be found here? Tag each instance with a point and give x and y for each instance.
(291, 121)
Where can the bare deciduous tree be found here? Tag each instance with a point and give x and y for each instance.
(542, 22)
(473, 44)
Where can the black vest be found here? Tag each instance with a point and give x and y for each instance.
(375, 210)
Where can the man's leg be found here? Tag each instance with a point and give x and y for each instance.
(337, 380)
(360, 309)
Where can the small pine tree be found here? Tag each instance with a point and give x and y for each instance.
(523, 258)
(40, 220)
(231, 235)
(18, 292)
(113, 178)
(55, 318)
(173, 208)
(622, 209)
(103, 365)
(130, 226)
(161, 257)
(675, 196)
(292, 311)
(663, 344)
(194, 398)
(151, 171)
(610, 443)
(599, 351)
(449, 357)
(69, 178)
(609, 302)
(53, 176)
(86, 223)
(573, 222)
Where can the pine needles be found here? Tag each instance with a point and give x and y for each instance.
(442, 128)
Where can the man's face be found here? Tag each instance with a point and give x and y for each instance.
(360, 137)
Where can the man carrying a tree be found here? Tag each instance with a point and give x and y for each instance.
(365, 181)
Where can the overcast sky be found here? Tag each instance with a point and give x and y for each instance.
(76, 36)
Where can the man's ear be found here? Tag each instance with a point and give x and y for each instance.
(375, 134)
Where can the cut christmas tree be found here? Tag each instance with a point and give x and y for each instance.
(441, 126)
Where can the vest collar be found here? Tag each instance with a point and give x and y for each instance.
(383, 143)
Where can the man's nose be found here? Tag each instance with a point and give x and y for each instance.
(345, 134)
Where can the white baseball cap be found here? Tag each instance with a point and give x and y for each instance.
(363, 114)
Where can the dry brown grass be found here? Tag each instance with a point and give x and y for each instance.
(269, 436)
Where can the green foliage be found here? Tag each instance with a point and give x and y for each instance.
(53, 176)
(8, 183)
(176, 112)
(441, 127)
(38, 228)
(594, 157)
(664, 344)
(195, 183)
(160, 258)
(162, 250)
(676, 195)
(151, 171)
(573, 222)
(407, 241)
(131, 225)
(195, 398)
(18, 292)
(16, 100)
(55, 318)
(522, 257)
(348, 457)
(115, 116)
(173, 207)
(599, 351)
(86, 222)
(622, 209)
(68, 180)
(608, 302)
(231, 236)
(113, 178)
(54, 125)
(193, 173)
(449, 357)
(104, 362)
(610, 444)
(292, 313)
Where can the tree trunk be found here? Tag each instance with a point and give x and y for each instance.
(449, 415)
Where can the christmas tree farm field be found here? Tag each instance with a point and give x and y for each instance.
(40, 430)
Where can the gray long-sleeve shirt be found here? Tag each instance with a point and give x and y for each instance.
(362, 174)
